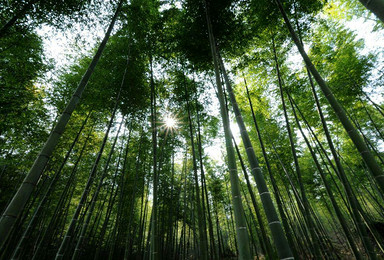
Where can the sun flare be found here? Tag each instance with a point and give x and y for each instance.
(170, 122)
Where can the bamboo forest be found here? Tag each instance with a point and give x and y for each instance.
(191, 129)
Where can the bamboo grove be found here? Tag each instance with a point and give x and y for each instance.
(130, 150)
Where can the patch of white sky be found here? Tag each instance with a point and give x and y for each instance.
(64, 47)
(166, 6)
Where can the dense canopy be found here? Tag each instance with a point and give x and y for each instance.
(195, 129)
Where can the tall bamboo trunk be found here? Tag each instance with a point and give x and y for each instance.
(307, 215)
(294, 206)
(115, 231)
(24, 192)
(375, 126)
(279, 238)
(64, 196)
(141, 237)
(230, 223)
(128, 238)
(94, 198)
(375, 6)
(47, 193)
(353, 202)
(170, 232)
(280, 205)
(200, 213)
(241, 227)
(336, 208)
(253, 226)
(154, 254)
(72, 226)
(204, 186)
(367, 156)
(264, 241)
(111, 202)
(353, 206)
(378, 108)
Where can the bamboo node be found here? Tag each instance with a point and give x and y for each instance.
(350, 131)
(274, 222)
(8, 216)
(263, 193)
(29, 182)
(44, 155)
(57, 132)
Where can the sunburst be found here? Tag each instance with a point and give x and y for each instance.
(170, 124)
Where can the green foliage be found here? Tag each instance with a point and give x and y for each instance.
(46, 11)
(231, 33)
(100, 95)
(23, 115)
(342, 10)
(21, 63)
(335, 51)
(170, 40)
